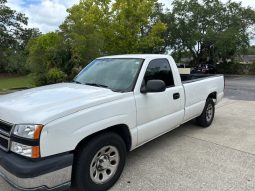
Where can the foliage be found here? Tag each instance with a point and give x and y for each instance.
(210, 28)
(55, 75)
(96, 28)
(136, 27)
(250, 51)
(15, 62)
(236, 68)
(252, 69)
(46, 52)
(179, 55)
(207, 30)
(13, 39)
(82, 30)
(10, 26)
(100, 27)
(228, 68)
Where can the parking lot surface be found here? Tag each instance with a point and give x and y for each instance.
(240, 88)
(191, 158)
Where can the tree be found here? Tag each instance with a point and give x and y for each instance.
(84, 28)
(48, 58)
(209, 29)
(10, 29)
(99, 27)
(136, 27)
(96, 28)
(16, 57)
(13, 39)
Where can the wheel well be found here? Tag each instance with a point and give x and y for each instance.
(213, 96)
(122, 130)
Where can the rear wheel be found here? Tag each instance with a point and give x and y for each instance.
(100, 163)
(206, 118)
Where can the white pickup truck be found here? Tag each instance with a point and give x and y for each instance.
(79, 133)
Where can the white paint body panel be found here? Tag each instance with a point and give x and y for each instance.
(197, 92)
(65, 133)
(71, 112)
(48, 103)
(158, 113)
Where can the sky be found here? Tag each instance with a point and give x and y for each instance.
(47, 15)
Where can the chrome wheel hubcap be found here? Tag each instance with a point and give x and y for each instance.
(209, 112)
(104, 164)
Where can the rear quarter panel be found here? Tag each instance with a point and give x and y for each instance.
(196, 93)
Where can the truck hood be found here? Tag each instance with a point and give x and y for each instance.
(48, 103)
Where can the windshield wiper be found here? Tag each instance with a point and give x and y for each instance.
(76, 82)
(97, 85)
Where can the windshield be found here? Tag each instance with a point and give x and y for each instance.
(117, 74)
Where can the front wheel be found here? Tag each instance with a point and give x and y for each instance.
(100, 163)
(206, 118)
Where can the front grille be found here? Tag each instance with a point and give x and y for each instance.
(5, 133)
(4, 143)
(5, 127)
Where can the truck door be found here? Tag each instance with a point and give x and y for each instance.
(158, 113)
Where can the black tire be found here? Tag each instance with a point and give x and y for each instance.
(203, 120)
(82, 174)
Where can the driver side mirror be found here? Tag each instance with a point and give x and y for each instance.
(153, 86)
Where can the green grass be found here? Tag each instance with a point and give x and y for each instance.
(7, 83)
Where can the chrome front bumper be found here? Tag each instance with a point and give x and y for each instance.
(59, 180)
(52, 173)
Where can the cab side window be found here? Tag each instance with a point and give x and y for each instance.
(159, 69)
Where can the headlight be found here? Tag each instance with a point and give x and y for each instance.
(30, 147)
(28, 131)
(24, 150)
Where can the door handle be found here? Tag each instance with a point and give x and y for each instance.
(176, 96)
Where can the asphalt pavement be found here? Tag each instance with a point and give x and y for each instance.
(191, 158)
(240, 88)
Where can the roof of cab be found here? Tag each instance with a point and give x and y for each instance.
(142, 56)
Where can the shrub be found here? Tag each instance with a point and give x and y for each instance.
(228, 68)
(39, 79)
(48, 59)
(13, 62)
(55, 75)
(236, 68)
(252, 69)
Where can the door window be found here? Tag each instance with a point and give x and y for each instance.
(159, 69)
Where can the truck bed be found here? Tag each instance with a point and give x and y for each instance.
(188, 78)
(197, 87)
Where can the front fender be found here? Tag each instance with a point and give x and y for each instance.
(64, 134)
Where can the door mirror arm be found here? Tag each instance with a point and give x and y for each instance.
(143, 89)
